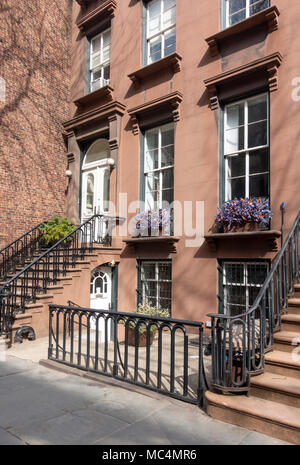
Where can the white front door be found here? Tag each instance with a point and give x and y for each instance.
(95, 191)
(100, 299)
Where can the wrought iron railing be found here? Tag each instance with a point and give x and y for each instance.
(240, 342)
(18, 251)
(36, 277)
(161, 354)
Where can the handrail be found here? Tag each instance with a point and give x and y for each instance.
(20, 237)
(16, 252)
(36, 276)
(239, 342)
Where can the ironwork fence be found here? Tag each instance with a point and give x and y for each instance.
(45, 269)
(160, 354)
(239, 342)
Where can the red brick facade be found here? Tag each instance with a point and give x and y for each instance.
(35, 64)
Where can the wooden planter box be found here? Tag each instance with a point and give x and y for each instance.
(246, 227)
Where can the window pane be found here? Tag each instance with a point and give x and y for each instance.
(167, 156)
(152, 140)
(151, 160)
(164, 271)
(237, 17)
(96, 43)
(106, 55)
(167, 178)
(257, 273)
(169, 17)
(154, 25)
(257, 109)
(169, 4)
(155, 49)
(106, 39)
(236, 166)
(236, 5)
(237, 188)
(95, 60)
(234, 140)
(152, 200)
(154, 9)
(258, 161)
(258, 6)
(106, 72)
(235, 115)
(257, 134)
(152, 182)
(167, 136)
(170, 42)
(148, 271)
(90, 194)
(259, 185)
(106, 190)
(168, 196)
(234, 273)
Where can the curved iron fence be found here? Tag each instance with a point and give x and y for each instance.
(162, 354)
(240, 342)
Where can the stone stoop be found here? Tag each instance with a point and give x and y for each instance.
(273, 404)
(75, 286)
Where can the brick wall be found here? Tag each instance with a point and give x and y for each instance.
(35, 64)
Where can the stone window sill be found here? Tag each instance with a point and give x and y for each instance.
(94, 97)
(170, 62)
(97, 17)
(270, 237)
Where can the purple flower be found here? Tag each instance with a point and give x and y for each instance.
(152, 219)
(241, 211)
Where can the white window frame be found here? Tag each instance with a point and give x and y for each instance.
(247, 151)
(156, 280)
(247, 8)
(102, 64)
(245, 282)
(160, 169)
(162, 31)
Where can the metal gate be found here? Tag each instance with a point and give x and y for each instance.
(161, 354)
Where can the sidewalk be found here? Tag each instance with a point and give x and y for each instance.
(43, 406)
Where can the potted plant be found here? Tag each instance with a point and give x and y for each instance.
(243, 214)
(145, 309)
(153, 223)
(54, 230)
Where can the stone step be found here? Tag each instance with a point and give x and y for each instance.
(286, 341)
(290, 322)
(265, 416)
(294, 302)
(283, 363)
(277, 388)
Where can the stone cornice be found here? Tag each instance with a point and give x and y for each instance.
(102, 112)
(103, 13)
(96, 96)
(267, 65)
(168, 103)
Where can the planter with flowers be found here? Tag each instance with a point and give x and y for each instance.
(145, 309)
(153, 223)
(241, 215)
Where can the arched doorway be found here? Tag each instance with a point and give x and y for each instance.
(96, 169)
(100, 297)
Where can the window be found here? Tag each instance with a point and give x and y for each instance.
(100, 60)
(156, 284)
(246, 148)
(98, 284)
(241, 284)
(159, 167)
(161, 29)
(237, 10)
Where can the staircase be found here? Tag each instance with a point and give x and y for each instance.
(52, 276)
(270, 403)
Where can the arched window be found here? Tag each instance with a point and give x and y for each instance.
(98, 151)
(98, 282)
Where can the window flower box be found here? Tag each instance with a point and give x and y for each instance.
(153, 223)
(244, 215)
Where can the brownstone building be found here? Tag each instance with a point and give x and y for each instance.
(168, 106)
(189, 104)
